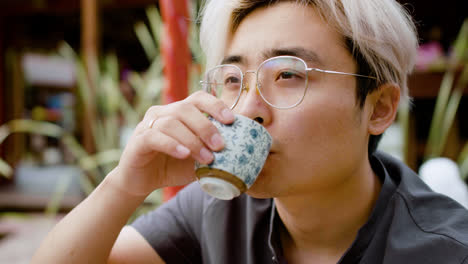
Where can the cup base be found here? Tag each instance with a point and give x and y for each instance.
(218, 188)
(220, 184)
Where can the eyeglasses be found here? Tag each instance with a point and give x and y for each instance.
(281, 81)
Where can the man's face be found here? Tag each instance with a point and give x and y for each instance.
(321, 142)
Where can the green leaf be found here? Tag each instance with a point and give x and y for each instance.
(4, 132)
(53, 206)
(112, 66)
(404, 120)
(86, 185)
(93, 161)
(30, 126)
(445, 110)
(155, 23)
(146, 40)
(5, 169)
(432, 146)
(463, 162)
(460, 47)
(452, 108)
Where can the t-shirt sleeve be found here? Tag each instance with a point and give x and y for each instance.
(173, 229)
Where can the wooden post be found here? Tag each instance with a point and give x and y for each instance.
(89, 51)
(177, 58)
(2, 72)
(2, 83)
(175, 48)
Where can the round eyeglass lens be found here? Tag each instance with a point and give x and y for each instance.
(282, 81)
(224, 82)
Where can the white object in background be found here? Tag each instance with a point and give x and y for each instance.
(51, 156)
(392, 141)
(443, 176)
(125, 134)
(48, 70)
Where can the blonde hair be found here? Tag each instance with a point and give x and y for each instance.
(381, 32)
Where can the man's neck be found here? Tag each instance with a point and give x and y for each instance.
(323, 225)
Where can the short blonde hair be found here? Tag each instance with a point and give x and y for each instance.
(380, 31)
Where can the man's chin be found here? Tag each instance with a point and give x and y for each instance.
(260, 188)
(258, 195)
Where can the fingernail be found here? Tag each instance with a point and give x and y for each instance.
(206, 155)
(182, 151)
(217, 141)
(227, 114)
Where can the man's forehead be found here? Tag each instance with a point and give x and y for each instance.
(284, 29)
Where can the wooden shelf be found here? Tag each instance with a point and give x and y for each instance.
(425, 85)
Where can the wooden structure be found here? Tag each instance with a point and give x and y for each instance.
(89, 51)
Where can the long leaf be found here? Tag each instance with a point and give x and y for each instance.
(461, 43)
(86, 185)
(83, 82)
(105, 157)
(41, 128)
(439, 112)
(99, 135)
(438, 132)
(36, 127)
(53, 206)
(155, 69)
(131, 117)
(138, 84)
(84, 92)
(463, 162)
(4, 132)
(155, 23)
(79, 153)
(25, 126)
(112, 66)
(404, 120)
(146, 41)
(5, 169)
(45, 129)
(452, 108)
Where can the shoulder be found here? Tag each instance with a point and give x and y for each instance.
(423, 220)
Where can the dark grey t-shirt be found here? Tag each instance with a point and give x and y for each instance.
(409, 224)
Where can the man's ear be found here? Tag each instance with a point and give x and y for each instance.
(384, 100)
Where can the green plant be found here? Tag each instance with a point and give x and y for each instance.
(111, 110)
(448, 100)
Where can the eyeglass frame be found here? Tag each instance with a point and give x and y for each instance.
(307, 69)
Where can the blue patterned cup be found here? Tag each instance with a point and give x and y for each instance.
(236, 167)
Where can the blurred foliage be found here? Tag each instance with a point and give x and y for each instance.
(449, 96)
(447, 103)
(112, 112)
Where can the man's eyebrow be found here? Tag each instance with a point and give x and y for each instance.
(307, 55)
(232, 59)
(310, 57)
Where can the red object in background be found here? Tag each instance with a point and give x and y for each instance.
(177, 58)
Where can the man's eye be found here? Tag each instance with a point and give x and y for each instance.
(231, 80)
(287, 75)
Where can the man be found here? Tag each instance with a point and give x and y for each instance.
(323, 196)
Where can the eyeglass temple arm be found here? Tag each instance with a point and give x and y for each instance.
(342, 73)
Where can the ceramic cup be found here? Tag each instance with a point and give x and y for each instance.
(236, 167)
